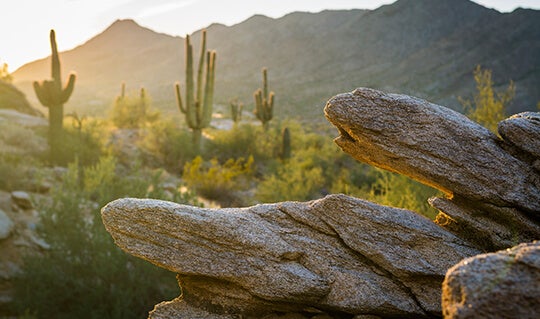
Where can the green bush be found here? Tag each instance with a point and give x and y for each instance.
(298, 179)
(133, 111)
(240, 141)
(83, 274)
(85, 144)
(488, 107)
(400, 191)
(18, 172)
(216, 181)
(168, 145)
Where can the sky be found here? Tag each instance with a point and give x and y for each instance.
(25, 24)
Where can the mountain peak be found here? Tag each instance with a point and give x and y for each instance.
(122, 32)
(123, 24)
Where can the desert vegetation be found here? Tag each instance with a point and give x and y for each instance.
(263, 157)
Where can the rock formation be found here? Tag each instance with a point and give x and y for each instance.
(493, 195)
(342, 257)
(504, 285)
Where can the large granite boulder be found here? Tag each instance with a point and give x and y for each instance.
(504, 285)
(342, 257)
(492, 195)
(336, 255)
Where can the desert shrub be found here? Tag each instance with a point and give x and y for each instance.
(18, 172)
(240, 141)
(133, 111)
(488, 107)
(297, 179)
(350, 182)
(218, 181)
(83, 274)
(85, 144)
(400, 191)
(169, 144)
(15, 138)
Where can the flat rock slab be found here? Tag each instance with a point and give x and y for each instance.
(337, 255)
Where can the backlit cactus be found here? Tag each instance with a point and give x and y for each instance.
(236, 110)
(285, 153)
(51, 94)
(198, 103)
(264, 102)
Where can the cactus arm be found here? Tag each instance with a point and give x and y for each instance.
(179, 98)
(201, 69)
(270, 106)
(66, 92)
(258, 104)
(190, 102)
(265, 82)
(209, 89)
(42, 94)
(55, 61)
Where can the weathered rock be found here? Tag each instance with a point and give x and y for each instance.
(338, 254)
(6, 225)
(434, 145)
(22, 199)
(523, 130)
(505, 284)
(443, 149)
(341, 257)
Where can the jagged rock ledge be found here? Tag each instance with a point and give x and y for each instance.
(336, 255)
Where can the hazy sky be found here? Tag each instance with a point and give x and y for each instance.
(25, 24)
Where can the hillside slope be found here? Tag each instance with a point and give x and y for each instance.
(424, 48)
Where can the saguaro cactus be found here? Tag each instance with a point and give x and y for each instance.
(51, 94)
(122, 91)
(197, 106)
(264, 102)
(236, 110)
(285, 153)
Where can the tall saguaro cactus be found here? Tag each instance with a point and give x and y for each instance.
(198, 103)
(51, 94)
(264, 102)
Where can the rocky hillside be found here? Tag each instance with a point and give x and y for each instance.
(420, 47)
(12, 98)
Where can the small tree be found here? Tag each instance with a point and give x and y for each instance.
(488, 107)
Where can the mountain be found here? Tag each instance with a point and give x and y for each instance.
(426, 48)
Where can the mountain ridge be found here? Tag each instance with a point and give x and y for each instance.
(419, 47)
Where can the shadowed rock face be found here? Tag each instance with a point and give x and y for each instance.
(340, 256)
